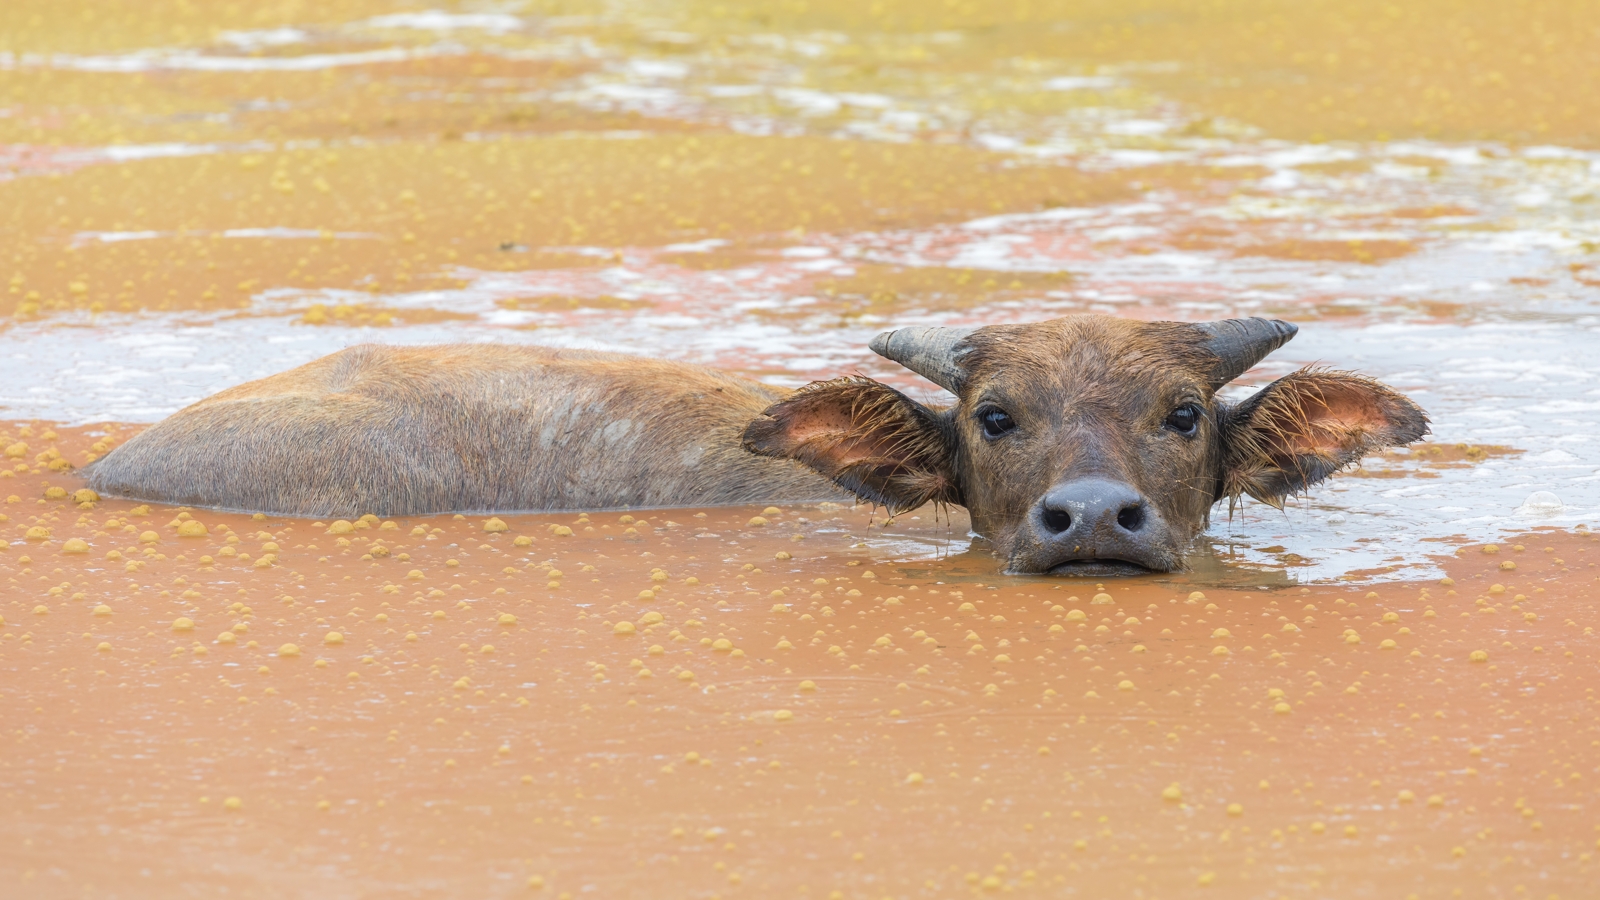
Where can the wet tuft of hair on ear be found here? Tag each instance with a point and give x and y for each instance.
(1307, 426)
(866, 437)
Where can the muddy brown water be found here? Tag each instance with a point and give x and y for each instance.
(1386, 691)
(744, 702)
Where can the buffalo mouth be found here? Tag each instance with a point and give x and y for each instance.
(1099, 568)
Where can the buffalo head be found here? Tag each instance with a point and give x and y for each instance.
(1087, 445)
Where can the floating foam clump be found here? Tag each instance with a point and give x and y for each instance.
(1541, 503)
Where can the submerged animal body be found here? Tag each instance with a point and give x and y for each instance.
(1087, 445)
(400, 431)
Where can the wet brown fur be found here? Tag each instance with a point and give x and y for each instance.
(1089, 395)
(396, 431)
(412, 430)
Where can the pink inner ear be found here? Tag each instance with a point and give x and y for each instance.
(816, 423)
(830, 436)
(864, 436)
(1308, 425)
(1335, 416)
(840, 440)
(839, 425)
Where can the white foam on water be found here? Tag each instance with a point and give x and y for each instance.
(270, 37)
(439, 20)
(1139, 127)
(657, 68)
(199, 61)
(1492, 383)
(276, 233)
(1083, 83)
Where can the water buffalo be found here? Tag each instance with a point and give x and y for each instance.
(1086, 445)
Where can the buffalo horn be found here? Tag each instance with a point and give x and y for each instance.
(1241, 343)
(928, 351)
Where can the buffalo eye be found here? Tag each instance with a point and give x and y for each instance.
(996, 421)
(1184, 420)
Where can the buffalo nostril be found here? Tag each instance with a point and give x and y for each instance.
(1057, 520)
(1131, 518)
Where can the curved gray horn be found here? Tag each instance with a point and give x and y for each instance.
(928, 351)
(1241, 343)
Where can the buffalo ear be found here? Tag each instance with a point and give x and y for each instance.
(1306, 426)
(866, 437)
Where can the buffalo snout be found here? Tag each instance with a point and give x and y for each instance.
(1093, 526)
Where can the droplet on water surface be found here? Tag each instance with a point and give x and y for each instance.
(1541, 503)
